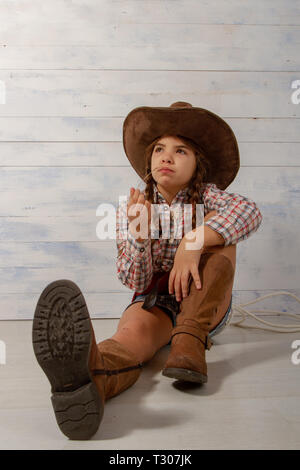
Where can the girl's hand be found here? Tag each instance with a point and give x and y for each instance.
(138, 198)
(186, 263)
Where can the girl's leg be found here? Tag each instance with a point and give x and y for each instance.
(143, 332)
(82, 373)
(230, 253)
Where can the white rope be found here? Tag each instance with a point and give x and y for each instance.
(279, 328)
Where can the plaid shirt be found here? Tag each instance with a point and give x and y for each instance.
(237, 217)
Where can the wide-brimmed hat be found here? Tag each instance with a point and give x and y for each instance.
(214, 136)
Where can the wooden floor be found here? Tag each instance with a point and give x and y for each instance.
(251, 399)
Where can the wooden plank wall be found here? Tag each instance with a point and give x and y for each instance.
(73, 70)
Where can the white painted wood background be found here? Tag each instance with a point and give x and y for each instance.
(74, 69)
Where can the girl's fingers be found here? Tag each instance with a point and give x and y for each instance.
(181, 283)
(171, 279)
(138, 198)
(141, 201)
(177, 285)
(136, 195)
(196, 277)
(131, 196)
(148, 206)
(185, 284)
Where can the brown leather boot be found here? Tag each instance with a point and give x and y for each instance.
(82, 374)
(114, 368)
(190, 336)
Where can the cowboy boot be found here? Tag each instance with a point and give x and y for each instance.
(190, 336)
(82, 374)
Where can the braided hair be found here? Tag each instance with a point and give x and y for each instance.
(195, 184)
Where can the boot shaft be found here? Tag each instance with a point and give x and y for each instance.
(114, 367)
(202, 306)
(190, 336)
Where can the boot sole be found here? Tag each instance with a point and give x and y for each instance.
(185, 375)
(62, 342)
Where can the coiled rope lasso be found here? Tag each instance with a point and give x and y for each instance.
(272, 326)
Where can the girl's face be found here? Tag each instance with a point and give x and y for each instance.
(171, 152)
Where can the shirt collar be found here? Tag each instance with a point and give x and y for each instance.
(181, 196)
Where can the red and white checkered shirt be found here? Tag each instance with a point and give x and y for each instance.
(237, 217)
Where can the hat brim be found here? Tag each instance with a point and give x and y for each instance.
(144, 124)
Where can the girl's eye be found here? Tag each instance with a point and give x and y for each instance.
(177, 149)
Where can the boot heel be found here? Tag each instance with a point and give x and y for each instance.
(184, 375)
(78, 413)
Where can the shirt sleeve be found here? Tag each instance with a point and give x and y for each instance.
(237, 216)
(134, 259)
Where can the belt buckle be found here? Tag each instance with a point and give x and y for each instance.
(150, 298)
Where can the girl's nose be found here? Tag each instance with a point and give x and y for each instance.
(166, 158)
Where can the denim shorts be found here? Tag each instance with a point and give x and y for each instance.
(169, 304)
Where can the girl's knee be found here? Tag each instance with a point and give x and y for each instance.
(229, 251)
(137, 328)
(154, 326)
(210, 214)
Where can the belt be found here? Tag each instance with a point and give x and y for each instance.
(159, 284)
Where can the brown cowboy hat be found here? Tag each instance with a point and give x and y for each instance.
(215, 137)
